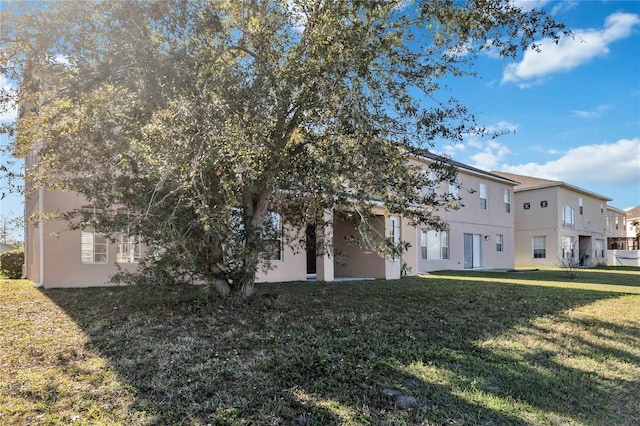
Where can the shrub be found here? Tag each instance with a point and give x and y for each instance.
(11, 264)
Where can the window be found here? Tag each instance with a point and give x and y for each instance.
(93, 246)
(580, 206)
(526, 206)
(128, 248)
(454, 188)
(601, 208)
(483, 196)
(272, 235)
(507, 201)
(394, 233)
(568, 216)
(600, 249)
(430, 189)
(568, 247)
(128, 245)
(499, 242)
(435, 245)
(544, 204)
(616, 222)
(539, 247)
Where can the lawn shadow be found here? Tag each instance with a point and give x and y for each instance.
(339, 353)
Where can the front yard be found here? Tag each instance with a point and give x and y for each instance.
(451, 348)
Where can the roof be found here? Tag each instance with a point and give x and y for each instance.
(528, 183)
(633, 213)
(421, 153)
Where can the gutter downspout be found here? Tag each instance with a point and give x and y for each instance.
(40, 282)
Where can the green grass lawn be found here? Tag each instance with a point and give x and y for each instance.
(451, 348)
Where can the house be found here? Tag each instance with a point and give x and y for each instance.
(633, 228)
(616, 229)
(557, 223)
(479, 235)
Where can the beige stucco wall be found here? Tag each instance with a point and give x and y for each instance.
(470, 219)
(351, 260)
(547, 222)
(292, 267)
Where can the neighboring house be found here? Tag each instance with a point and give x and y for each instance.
(557, 223)
(633, 228)
(480, 235)
(616, 229)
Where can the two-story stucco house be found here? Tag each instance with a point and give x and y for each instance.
(480, 235)
(616, 229)
(556, 222)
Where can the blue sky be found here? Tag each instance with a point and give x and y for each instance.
(573, 110)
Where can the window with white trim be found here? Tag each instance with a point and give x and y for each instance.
(127, 244)
(483, 196)
(434, 245)
(272, 235)
(600, 249)
(93, 244)
(430, 189)
(568, 247)
(507, 201)
(499, 242)
(540, 247)
(128, 248)
(394, 233)
(454, 188)
(580, 206)
(568, 216)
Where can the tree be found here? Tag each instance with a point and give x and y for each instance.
(201, 117)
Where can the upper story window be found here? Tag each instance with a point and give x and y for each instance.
(454, 188)
(568, 216)
(429, 189)
(580, 206)
(601, 208)
(507, 201)
(483, 196)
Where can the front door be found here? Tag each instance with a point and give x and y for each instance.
(472, 251)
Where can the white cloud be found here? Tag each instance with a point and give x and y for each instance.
(489, 151)
(491, 156)
(594, 113)
(616, 163)
(571, 51)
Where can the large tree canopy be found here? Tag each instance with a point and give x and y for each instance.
(200, 117)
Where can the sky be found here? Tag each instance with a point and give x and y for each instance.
(571, 112)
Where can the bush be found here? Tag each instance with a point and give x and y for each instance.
(11, 264)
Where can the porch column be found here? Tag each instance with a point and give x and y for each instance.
(324, 263)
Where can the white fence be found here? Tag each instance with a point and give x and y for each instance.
(623, 257)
